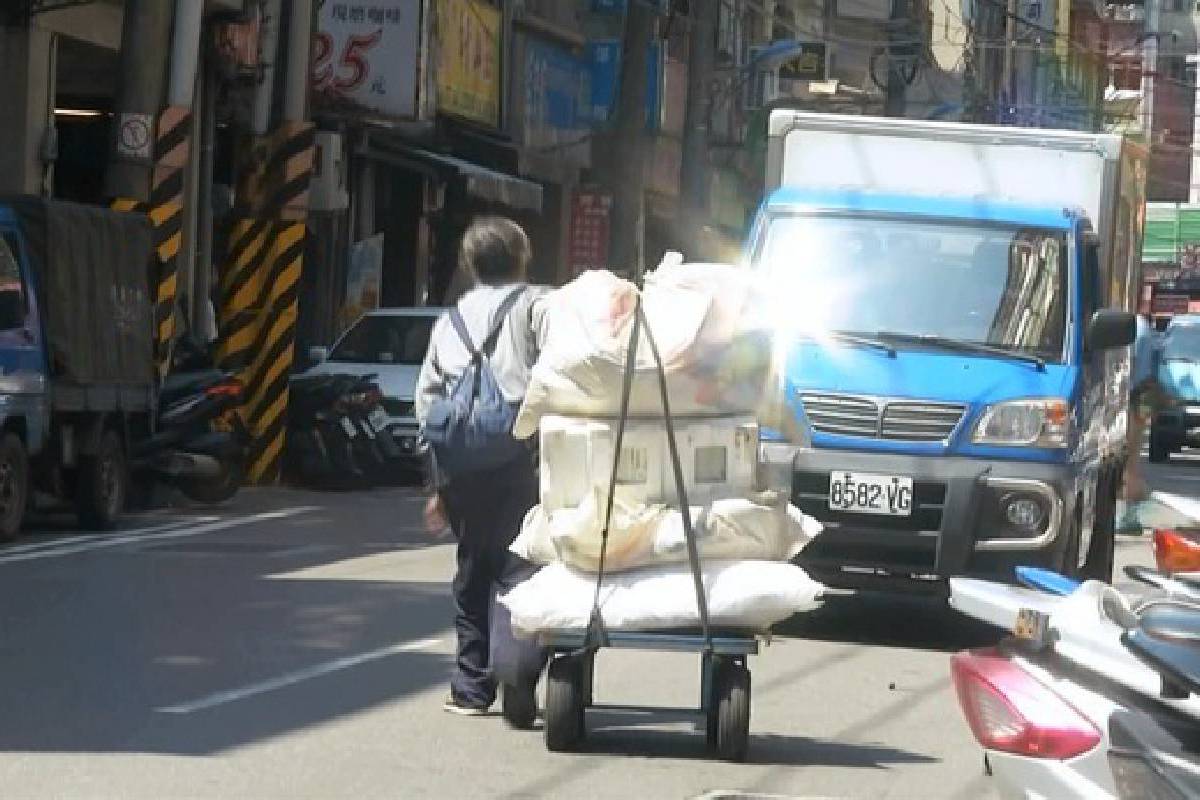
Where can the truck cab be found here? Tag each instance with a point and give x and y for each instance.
(962, 361)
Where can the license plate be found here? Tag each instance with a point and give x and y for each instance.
(348, 427)
(864, 493)
(378, 418)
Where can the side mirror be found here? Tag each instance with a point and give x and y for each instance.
(1110, 329)
(318, 354)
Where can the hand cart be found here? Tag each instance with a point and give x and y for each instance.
(724, 684)
(725, 678)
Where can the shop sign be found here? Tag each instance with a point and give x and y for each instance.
(556, 93)
(365, 55)
(468, 74)
(1170, 304)
(604, 59)
(808, 65)
(590, 230)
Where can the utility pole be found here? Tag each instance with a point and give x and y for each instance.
(629, 143)
(898, 30)
(694, 175)
(145, 43)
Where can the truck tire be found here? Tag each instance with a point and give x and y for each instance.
(102, 485)
(1160, 453)
(14, 486)
(1098, 566)
(212, 491)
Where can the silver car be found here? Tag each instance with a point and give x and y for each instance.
(389, 343)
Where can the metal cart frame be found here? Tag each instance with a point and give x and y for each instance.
(725, 677)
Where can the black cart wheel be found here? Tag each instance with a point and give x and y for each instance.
(564, 704)
(715, 669)
(733, 712)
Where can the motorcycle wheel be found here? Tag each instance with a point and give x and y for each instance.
(211, 491)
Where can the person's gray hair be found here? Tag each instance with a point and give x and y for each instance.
(495, 250)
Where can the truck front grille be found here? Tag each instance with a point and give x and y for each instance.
(842, 414)
(868, 418)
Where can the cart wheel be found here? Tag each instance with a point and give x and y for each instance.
(564, 704)
(733, 712)
(716, 668)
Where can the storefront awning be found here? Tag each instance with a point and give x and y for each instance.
(480, 181)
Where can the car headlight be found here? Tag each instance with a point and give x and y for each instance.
(1034, 422)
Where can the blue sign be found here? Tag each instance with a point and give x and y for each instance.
(604, 58)
(618, 6)
(556, 88)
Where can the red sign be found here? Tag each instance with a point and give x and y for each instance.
(1170, 304)
(590, 228)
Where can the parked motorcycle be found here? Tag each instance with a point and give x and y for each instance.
(336, 436)
(1096, 692)
(199, 443)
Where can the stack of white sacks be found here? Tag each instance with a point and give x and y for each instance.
(714, 334)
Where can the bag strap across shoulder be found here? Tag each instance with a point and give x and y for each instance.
(489, 344)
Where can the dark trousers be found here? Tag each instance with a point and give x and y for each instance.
(485, 510)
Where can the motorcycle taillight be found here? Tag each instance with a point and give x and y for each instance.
(231, 388)
(1011, 711)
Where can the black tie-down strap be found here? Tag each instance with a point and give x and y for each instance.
(596, 635)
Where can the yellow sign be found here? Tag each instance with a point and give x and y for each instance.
(468, 73)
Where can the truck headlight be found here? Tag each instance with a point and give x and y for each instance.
(1033, 422)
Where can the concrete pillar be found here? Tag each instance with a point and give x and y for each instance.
(26, 84)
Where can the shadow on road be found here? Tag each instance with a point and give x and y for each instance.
(895, 621)
(610, 733)
(98, 647)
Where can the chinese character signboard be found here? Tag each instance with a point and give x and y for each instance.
(365, 55)
(468, 71)
(604, 57)
(590, 228)
(557, 102)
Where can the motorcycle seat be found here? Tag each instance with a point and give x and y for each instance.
(181, 384)
(1168, 639)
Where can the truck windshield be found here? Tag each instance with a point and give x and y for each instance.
(1182, 343)
(984, 284)
(12, 287)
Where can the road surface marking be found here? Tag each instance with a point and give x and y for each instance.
(93, 537)
(299, 676)
(135, 537)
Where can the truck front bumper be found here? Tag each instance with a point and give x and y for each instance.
(1178, 427)
(958, 525)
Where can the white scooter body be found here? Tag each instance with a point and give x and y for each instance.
(1087, 641)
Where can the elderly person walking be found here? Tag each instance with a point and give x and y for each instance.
(490, 327)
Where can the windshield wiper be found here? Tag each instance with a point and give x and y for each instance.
(854, 339)
(961, 346)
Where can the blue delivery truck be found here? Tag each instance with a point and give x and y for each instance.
(959, 318)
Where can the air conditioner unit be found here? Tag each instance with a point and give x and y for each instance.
(327, 192)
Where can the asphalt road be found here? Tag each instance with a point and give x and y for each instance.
(296, 644)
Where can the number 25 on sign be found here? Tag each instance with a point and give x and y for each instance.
(352, 68)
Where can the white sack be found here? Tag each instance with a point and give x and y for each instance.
(741, 594)
(712, 328)
(644, 535)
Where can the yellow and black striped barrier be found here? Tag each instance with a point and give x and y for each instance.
(165, 209)
(260, 280)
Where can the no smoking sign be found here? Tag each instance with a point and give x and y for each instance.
(135, 136)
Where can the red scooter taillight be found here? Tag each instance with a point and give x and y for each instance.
(1176, 551)
(225, 389)
(1011, 711)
